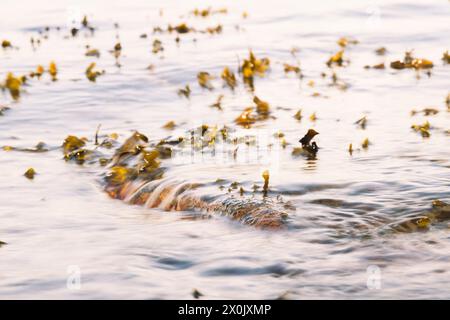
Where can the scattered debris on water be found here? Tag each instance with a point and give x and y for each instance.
(365, 143)
(412, 63)
(186, 91)
(30, 173)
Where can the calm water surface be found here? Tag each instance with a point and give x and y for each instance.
(62, 218)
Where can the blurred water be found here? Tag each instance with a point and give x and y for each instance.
(62, 218)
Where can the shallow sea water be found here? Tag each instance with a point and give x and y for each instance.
(63, 220)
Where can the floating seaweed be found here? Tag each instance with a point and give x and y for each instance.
(204, 80)
(79, 155)
(440, 211)
(72, 143)
(169, 125)
(131, 147)
(157, 46)
(218, 103)
(53, 70)
(118, 175)
(186, 91)
(85, 25)
(344, 42)
(266, 177)
(291, 68)
(379, 66)
(446, 57)
(116, 52)
(337, 59)
(3, 109)
(40, 147)
(196, 294)
(14, 84)
(246, 118)
(338, 83)
(38, 73)
(423, 129)
(350, 149)
(412, 63)
(229, 78)
(213, 30)
(253, 66)
(262, 107)
(365, 143)
(381, 51)
(298, 115)
(92, 74)
(92, 53)
(207, 12)
(362, 122)
(6, 44)
(30, 173)
(181, 28)
(425, 112)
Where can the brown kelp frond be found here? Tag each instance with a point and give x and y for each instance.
(252, 67)
(423, 129)
(410, 62)
(250, 115)
(91, 73)
(204, 80)
(229, 78)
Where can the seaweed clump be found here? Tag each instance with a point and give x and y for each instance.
(253, 66)
(249, 117)
(410, 62)
(14, 85)
(423, 129)
(73, 149)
